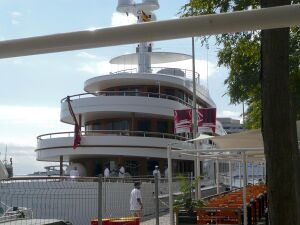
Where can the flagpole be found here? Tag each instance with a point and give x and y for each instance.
(195, 125)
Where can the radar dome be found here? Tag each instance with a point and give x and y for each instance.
(151, 4)
(125, 5)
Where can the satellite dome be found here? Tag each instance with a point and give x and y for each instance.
(125, 5)
(151, 5)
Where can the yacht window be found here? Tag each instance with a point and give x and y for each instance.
(117, 125)
(179, 94)
(144, 125)
(162, 126)
(97, 126)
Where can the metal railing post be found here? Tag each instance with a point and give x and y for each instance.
(156, 200)
(100, 199)
(170, 182)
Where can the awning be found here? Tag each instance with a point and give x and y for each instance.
(245, 139)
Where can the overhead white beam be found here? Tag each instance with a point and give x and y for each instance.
(267, 18)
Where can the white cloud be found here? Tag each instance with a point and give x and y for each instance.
(21, 124)
(24, 158)
(121, 19)
(16, 14)
(231, 114)
(15, 17)
(32, 115)
(86, 55)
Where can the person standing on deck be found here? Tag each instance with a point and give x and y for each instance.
(121, 171)
(136, 205)
(156, 171)
(106, 172)
(74, 173)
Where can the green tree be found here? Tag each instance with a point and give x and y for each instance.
(240, 53)
(264, 72)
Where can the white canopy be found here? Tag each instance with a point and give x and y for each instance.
(156, 58)
(245, 139)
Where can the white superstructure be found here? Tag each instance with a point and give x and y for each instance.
(126, 117)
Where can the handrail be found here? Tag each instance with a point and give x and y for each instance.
(157, 70)
(112, 132)
(129, 93)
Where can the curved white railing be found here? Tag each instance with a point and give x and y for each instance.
(112, 133)
(128, 93)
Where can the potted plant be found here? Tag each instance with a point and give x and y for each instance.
(185, 206)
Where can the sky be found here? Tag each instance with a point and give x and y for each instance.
(32, 86)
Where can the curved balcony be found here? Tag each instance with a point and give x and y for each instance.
(112, 133)
(106, 142)
(128, 93)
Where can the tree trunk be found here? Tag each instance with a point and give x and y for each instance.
(279, 125)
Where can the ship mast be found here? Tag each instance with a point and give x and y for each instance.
(144, 13)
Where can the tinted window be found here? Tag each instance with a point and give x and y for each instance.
(144, 125)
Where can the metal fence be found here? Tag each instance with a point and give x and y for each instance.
(62, 200)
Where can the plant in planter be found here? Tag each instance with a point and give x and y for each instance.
(184, 205)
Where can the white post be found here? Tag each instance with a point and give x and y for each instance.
(244, 189)
(252, 173)
(264, 171)
(217, 176)
(230, 174)
(195, 124)
(170, 182)
(240, 174)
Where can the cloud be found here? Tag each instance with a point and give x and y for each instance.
(15, 17)
(16, 14)
(21, 124)
(32, 115)
(231, 114)
(121, 19)
(24, 158)
(86, 55)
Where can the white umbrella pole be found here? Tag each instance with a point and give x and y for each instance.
(230, 174)
(217, 176)
(170, 182)
(240, 174)
(252, 173)
(244, 189)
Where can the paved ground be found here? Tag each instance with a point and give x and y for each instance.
(163, 220)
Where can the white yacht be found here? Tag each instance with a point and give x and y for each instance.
(126, 117)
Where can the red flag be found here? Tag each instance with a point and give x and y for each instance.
(183, 121)
(77, 137)
(207, 119)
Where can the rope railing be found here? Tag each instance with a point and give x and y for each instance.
(89, 133)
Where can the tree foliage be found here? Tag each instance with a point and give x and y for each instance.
(240, 53)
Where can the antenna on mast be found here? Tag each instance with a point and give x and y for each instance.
(5, 161)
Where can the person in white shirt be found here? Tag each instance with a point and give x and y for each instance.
(136, 205)
(156, 171)
(166, 172)
(121, 171)
(106, 172)
(74, 173)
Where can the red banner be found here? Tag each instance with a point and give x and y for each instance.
(183, 121)
(207, 120)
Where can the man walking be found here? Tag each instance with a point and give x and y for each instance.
(136, 204)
